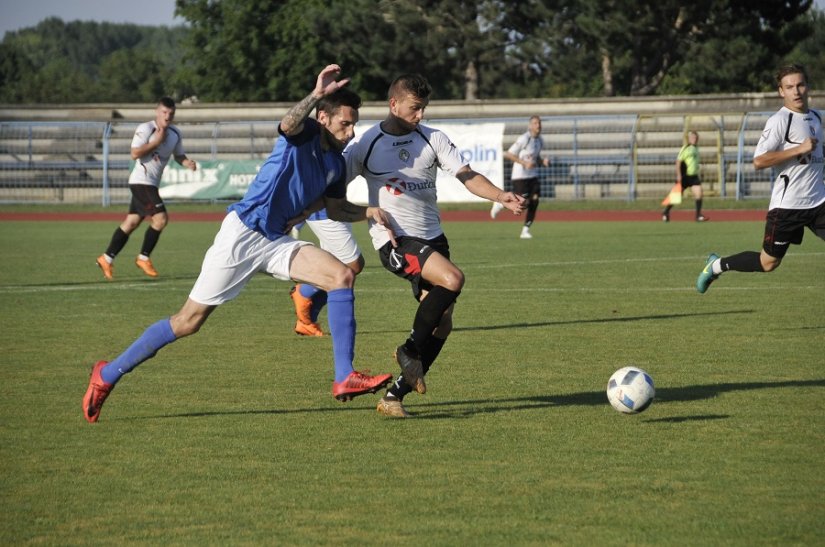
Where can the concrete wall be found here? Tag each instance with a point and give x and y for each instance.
(208, 112)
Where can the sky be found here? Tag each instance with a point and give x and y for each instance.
(17, 14)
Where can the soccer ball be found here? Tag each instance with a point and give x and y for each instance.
(630, 390)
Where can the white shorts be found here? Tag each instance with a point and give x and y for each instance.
(336, 238)
(236, 255)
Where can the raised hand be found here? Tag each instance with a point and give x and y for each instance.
(327, 82)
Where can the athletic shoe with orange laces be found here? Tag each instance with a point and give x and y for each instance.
(392, 407)
(308, 329)
(146, 266)
(96, 393)
(358, 383)
(411, 369)
(303, 305)
(106, 266)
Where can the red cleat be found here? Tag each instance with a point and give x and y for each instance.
(358, 383)
(96, 393)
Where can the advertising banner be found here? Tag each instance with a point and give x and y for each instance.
(212, 180)
(479, 143)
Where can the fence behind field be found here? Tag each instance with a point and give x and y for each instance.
(592, 157)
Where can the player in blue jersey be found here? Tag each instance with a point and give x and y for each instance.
(305, 166)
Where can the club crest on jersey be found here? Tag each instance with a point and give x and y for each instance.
(403, 155)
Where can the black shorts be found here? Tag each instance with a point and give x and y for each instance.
(409, 258)
(690, 180)
(146, 200)
(784, 227)
(527, 187)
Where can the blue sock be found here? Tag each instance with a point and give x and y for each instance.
(145, 347)
(342, 328)
(319, 300)
(307, 290)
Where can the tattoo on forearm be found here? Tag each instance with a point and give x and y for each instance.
(298, 113)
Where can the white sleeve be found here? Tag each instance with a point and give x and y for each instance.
(142, 134)
(772, 136)
(355, 166)
(449, 158)
(517, 146)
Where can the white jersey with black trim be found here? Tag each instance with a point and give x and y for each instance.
(149, 168)
(401, 171)
(799, 183)
(526, 148)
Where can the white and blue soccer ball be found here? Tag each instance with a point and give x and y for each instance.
(630, 390)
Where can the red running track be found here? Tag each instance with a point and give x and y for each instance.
(727, 215)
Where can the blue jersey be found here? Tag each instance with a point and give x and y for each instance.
(297, 172)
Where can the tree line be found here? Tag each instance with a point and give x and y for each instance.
(263, 51)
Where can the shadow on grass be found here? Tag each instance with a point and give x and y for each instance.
(602, 320)
(472, 407)
(596, 398)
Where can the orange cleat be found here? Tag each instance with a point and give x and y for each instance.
(303, 305)
(146, 266)
(107, 267)
(308, 329)
(96, 393)
(358, 383)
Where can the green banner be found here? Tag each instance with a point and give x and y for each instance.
(211, 180)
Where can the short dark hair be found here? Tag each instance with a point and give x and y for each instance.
(335, 100)
(414, 84)
(168, 102)
(790, 69)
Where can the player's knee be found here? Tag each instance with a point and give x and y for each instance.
(159, 222)
(185, 325)
(771, 264)
(768, 262)
(343, 277)
(129, 225)
(357, 266)
(453, 280)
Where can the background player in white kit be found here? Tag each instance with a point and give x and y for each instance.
(153, 145)
(525, 154)
(399, 158)
(792, 142)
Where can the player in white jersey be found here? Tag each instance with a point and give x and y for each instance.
(792, 142)
(399, 158)
(153, 145)
(525, 154)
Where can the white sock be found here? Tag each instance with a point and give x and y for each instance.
(716, 267)
(143, 257)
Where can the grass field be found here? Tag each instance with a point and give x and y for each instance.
(232, 436)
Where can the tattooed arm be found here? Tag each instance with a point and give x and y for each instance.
(293, 121)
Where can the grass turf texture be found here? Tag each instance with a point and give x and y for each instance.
(232, 435)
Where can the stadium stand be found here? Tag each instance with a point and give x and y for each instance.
(610, 149)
